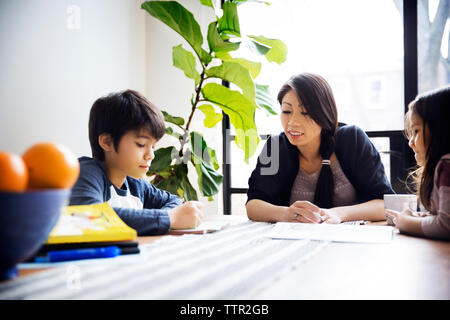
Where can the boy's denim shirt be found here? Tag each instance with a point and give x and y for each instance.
(138, 203)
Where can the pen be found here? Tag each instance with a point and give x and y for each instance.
(78, 254)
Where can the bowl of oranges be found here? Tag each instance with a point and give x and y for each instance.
(34, 188)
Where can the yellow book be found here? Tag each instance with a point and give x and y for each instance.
(90, 223)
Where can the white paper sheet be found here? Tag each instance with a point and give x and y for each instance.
(209, 224)
(332, 232)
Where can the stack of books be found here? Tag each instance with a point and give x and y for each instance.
(87, 231)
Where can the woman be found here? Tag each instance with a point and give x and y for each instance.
(326, 173)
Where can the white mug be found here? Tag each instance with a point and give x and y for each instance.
(399, 202)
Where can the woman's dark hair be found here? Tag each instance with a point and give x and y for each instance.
(119, 113)
(317, 97)
(433, 107)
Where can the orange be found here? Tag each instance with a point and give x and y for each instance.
(51, 165)
(13, 173)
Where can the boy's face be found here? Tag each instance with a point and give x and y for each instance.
(134, 154)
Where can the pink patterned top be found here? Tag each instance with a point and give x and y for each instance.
(438, 224)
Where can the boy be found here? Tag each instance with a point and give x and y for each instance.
(123, 130)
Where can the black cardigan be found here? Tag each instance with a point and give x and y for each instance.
(357, 156)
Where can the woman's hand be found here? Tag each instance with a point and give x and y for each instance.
(331, 216)
(304, 211)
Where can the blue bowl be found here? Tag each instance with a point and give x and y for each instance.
(26, 220)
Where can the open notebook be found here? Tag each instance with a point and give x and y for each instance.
(209, 224)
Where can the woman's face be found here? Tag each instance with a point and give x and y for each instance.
(299, 127)
(416, 140)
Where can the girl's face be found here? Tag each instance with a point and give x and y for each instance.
(416, 140)
(299, 127)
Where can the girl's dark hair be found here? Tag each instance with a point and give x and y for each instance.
(433, 107)
(317, 97)
(119, 113)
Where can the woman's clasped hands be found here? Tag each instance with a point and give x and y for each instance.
(307, 212)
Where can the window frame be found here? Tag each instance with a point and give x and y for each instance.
(401, 156)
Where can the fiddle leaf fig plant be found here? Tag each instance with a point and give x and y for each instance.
(207, 63)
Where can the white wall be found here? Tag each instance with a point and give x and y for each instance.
(58, 56)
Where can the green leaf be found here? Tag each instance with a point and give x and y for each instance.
(213, 157)
(200, 151)
(174, 179)
(198, 145)
(216, 43)
(177, 17)
(166, 173)
(278, 51)
(237, 74)
(175, 120)
(264, 100)
(163, 159)
(207, 3)
(256, 46)
(229, 22)
(185, 61)
(241, 112)
(211, 116)
(169, 131)
(188, 191)
(209, 179)
(171, 184)
(253, 67)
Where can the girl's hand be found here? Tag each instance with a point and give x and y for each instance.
(391, 215)
(421, 214)
(407, 221)
(400, 217)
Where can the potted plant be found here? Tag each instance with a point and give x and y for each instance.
(169, 169)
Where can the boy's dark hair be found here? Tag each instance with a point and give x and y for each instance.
(118, 113)
(317, 97)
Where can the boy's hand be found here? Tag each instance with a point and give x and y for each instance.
(186, 216)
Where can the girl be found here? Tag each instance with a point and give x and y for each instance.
(426, 126)
(323, 171)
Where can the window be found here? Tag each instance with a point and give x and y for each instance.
(433, 44)
(344, 42)
(375, 93)
(369, 53)
(383, 147)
